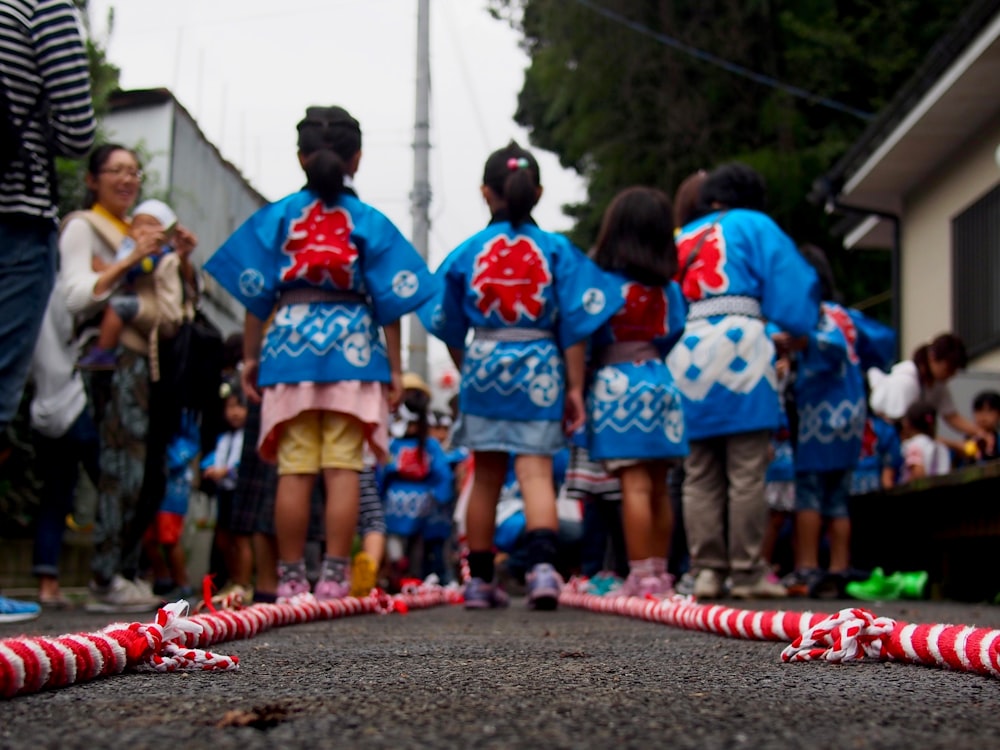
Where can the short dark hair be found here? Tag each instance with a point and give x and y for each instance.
(735, 185)
(923, 417)
(512, 174)
(818, 260)
(986, 400)
(637, 237)
(688, 203)
(329, 137)
(946, 347)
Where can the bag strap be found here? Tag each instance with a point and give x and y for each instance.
(697, 249)
(111, 235)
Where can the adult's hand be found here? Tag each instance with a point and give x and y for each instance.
(185, 241)
(147, 241)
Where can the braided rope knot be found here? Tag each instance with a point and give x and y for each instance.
(852, 634)
(164, 642)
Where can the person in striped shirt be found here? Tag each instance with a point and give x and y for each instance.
(46, 83)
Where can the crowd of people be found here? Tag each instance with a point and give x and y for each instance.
(658, 414)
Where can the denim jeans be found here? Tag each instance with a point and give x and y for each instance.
(27, 274)
(59, 460)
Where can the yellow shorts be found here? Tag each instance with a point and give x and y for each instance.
(316, 440)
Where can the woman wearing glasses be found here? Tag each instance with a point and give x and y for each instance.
(133, 431)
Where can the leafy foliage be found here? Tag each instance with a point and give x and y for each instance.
(619, 102)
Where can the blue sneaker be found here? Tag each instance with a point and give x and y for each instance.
(544, 585)
(481, 595)
(14, 610)
(98, 359)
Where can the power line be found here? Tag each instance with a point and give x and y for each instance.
(739, 70)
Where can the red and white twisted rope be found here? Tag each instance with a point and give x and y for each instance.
(852, 634)
(174, 641)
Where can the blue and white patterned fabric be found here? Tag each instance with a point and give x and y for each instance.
(411, 485)
(634, 409)
(349, 247)
(880, 450)
(830, 395)
(724, 362)
(535, 294)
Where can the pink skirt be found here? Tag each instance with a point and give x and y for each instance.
(366, 401)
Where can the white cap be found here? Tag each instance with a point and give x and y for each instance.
(158, 210)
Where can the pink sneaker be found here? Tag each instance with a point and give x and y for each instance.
(646, 586)
(327, 590)
(291, 586)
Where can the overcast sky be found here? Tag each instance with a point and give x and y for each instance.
(247, 69)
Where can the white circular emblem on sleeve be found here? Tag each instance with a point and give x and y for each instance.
(251, 282)
(593, 301)
(405, 284)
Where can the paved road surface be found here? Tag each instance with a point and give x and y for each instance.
(447, 678)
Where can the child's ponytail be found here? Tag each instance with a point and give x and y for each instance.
(329, 138)
(512, 174)
(325, 174)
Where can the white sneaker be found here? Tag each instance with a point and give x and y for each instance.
(121, 596)
(707, 584)
(762, 588)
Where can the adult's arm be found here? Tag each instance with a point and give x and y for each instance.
(85, 288)
(62, 64)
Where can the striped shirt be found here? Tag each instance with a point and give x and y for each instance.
(43, 64)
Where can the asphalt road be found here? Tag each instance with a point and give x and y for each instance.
(447, 678)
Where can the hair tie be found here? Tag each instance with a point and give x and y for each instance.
(513, 164)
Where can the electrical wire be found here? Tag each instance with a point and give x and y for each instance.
(734, 68)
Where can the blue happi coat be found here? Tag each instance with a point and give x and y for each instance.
(746, 271)
(634, 409)
(880, 450)
(830, 395)
(411, 487)
(349, 247)
(525, 279)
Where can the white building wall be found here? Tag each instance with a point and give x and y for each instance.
(927, 257)
(208, 193)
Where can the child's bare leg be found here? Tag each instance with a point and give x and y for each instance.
(480, 518)
(534, 474)
(541, 539)
(490, 470)
(647, 516)
(291, 515)
(808, 526)
(111, 328)
(374, 545)
(840, 544)
(240, 563)
(343, 496)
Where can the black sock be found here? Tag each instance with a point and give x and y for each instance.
(542, 546)
(481, 565)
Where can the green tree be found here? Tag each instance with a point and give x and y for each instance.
(647, 91)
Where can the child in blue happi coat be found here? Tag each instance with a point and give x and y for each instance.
(832, 410)
(635, 421)
(415, 479)
(530, 300)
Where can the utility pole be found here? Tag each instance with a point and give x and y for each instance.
(420, 198)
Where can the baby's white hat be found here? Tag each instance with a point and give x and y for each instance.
(158, 210)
